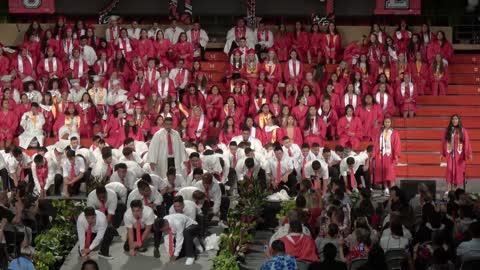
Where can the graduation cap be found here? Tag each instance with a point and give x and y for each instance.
(118, 105)
(28, 79)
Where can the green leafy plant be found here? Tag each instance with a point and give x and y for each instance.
(286, 208)
(225, 260)
(241, 222)
(55, 244)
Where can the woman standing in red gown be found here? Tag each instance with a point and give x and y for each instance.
(294, 70)
(315, 53)
(299, 39)
(282, 43)
(387, 150)
(349, 129)
(420, 74)
(184, 50)
(332, 44)
(440, 46)
(371, 116)
(456, 149)
(439, 77)
(144, 47)
(49, 113)
(406, 97)
(162, 46)
(272, 68)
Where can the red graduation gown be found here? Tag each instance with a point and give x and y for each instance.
(161, 48)
(446, 51)
(402, 98)
(8, 121)
(439, 82)
(299, 113)
(282, 46)
(300, 43)
(385, 165)
(192, 100)
(294, 133)
(4, 65)
(185, 48)
(371, 119)
(333, 46)
(456, 156)
(300, 246)
(46, 68)
(420, 74)
(355, 126)
(214, 106)
(88, 117)
(310, 136)
(115, 132)
(193, 126)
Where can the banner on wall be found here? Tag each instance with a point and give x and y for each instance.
(31, 6)
(406, 7)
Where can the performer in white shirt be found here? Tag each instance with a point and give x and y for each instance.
(332, 159)
(74, 173)
(104, 166)
(106, 201)
(44, 175)
(291, 149)
(317, 172)
(180, 231)
(149, 196)
(235, 34)
(199, 38)
(247, 136)
(280, 170)
(93, 232)
(124, 176)
(139, 221)
(186, 207)
(349, 170)
(173, 32)
(214, 201)
(166, 149)
(303, 159)
(32, 124)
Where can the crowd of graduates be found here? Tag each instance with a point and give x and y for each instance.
(169, 140)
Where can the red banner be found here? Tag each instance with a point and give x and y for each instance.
(31, 6)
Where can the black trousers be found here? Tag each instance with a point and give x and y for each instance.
(57, 184)
(6, 181)
(188, 247)
(119, 212)
(224, 206)
(170, 162)
(75, 188)
(106, 241)
(366, 176)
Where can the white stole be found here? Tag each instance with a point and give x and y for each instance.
(47, 64)
(386, 142)
(296, 72)
(385, 100)
(68, 46)
(103, 67)
(201, 122)
(354, 100)
(163, 91)
(402, 89)
(253, 132)
(80, 67)
(357, 89)
(20, 62)
(125, 48)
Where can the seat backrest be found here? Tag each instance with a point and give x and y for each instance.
(356, 263)
(472, 263)
(395, 258)
(302, 265)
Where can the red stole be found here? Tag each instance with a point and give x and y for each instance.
(265, 35)
(180, 77)
(240, 32)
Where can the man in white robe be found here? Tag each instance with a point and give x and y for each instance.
(87, 52)
(113, 31)
(199, 38)
(235, 34)
(173, 32)
(166, 150)
(263, 39)
(116, 94)
(76, 92)
(32, 124)
(134, 31)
